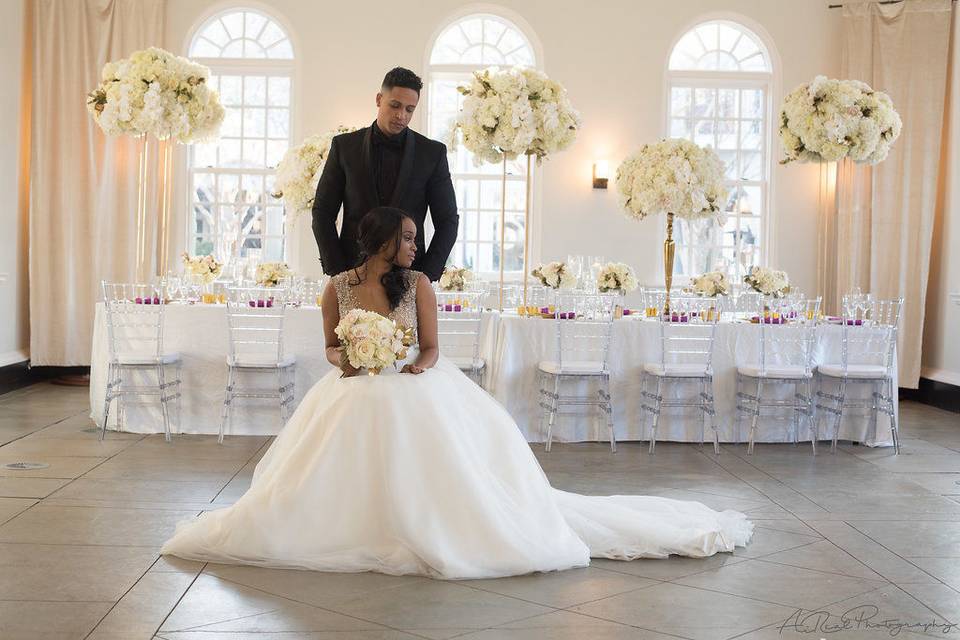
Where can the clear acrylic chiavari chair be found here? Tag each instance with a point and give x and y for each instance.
(686, 357)
(255, 319)
(583, 327)
(786, 339)
(868, 342)
(134, 314)
(459, 330)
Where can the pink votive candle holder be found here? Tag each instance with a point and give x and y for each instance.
(457, 307)
(448, 307)
(261, 303)
(138, 300)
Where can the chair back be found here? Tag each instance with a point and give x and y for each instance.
(687, 334)
(747, 301)
(653, 301)
(255, 317)
(870, 334)
(583, 323)
(788, 333)
(134, 315)
(459, 324)
(310, 292)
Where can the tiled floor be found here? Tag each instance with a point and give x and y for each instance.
(861, 531)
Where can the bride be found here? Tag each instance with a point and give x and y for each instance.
(422, 472)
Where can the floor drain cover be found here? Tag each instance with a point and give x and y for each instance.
(24, 466)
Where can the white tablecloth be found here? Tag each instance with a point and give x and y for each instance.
(512, 347)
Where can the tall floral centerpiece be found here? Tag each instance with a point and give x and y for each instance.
(828, 120)
(675, 177)
(299, 171)
(507, 113)
(155, 93)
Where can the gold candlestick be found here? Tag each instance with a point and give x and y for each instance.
(668, 251)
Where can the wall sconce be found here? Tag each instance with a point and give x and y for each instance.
(601, 174)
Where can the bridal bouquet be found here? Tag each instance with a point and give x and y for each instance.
(616, 276)
(156, 92)
(371, 341)
(672, 176)
(769, 282)
(455, 278)
(512, 112)
(556, 275)
(207, 268)
(710, 284)
(269, 274)
(299, 171)
(828, 119)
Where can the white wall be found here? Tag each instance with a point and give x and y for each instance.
(13, 225)
(941, 344)
(611, 57)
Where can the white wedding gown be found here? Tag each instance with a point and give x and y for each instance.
(427, 474)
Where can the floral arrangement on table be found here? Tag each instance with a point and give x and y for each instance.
(206, 268)
(372, 342)
(556, 275)
(710, 284)
(455, 278)
(616, 276)
(672, 176)
(828, 119)
(769, 282)
(511, 112)
(156, 92)
(300, 169)
(269, 274)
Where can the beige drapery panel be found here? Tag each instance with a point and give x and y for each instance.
(83, 185)
(878, 237)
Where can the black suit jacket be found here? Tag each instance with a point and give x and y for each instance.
(348, 179)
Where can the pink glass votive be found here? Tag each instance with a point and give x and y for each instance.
(269, 302)
(148, 301)
(544, 309)
(448, 307)
(627, 312)
(261, 303)
(156, 299)
(138, 300)
(457, 307)
(571, 315)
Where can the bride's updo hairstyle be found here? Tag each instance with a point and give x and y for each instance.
(380, 226)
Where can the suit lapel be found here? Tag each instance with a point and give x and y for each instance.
(366, 153)
(406, 168)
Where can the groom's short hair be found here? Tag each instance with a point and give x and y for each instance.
(400, 77)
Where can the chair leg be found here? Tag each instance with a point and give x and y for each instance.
(161, 379)
(108, 396)
(740, 410)
(713, 415)
(755, 418)
(656, 415)
(703, 412)
(874, 407)
(283, 406)
(841, 398)
(227, 401)
(554, 402)
(811, 421)
(894, 431)
(796, 413)
(608, 409)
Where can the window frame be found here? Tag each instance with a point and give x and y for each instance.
(268, 67)
(434, 72)
(769, 81)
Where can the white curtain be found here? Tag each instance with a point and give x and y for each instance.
(881, 230)
(83, 193)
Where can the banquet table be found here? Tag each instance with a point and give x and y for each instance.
(511, 345)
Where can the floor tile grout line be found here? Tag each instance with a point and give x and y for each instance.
(626, 624)
(891, 551)
(829, 573)
(248, 461)
(180, 599)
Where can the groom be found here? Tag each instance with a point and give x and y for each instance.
(386, 164)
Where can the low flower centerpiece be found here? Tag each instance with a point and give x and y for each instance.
(455, 278)
(710, 284)
(269, 274)
(769, 282)
(616, 277)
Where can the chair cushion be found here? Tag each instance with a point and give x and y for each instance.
(467, 363)
(676, 370)
(579, 368)
(261, 362)
(779, 371)
(853, 370)
(146, 360)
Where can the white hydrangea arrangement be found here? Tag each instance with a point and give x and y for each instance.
(828, 119)
(616, 276)
(672, 176)
(455, 278)
(556, 275)
(207, 268)
(371, 341)
(710, 284)
(513, 112)
(769, 282)
(269, 274)
(300, 169)
(158, 93)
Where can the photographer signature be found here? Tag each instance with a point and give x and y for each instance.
(862, 617)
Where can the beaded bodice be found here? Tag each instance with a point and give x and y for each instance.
(404, 315)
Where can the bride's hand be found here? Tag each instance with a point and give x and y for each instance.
(412, 368)
(348, 369)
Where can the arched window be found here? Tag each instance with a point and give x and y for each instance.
(719, 89)
(251, 60)
(470, 43)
